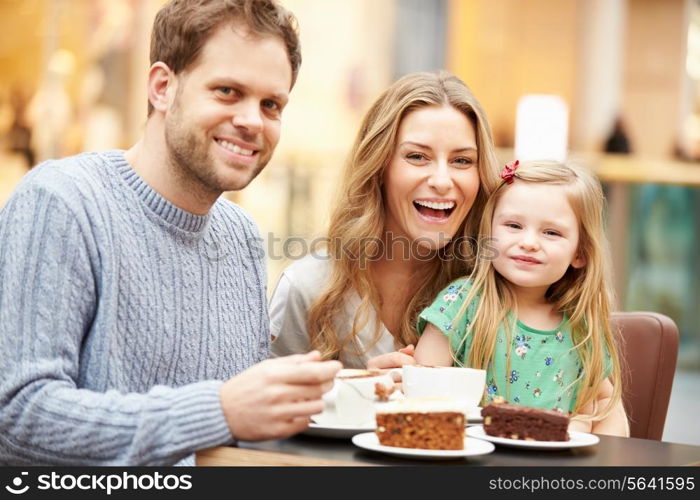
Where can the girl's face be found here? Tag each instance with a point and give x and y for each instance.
(432, 179)
(536, 235)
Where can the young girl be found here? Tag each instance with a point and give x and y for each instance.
(535, 311)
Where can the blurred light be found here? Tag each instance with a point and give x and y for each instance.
(541, 128)
(692, 62)
(62, 63)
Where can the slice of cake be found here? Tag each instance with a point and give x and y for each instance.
(524, 422)
(427, 423)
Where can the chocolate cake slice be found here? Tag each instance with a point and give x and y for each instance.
(524, 422)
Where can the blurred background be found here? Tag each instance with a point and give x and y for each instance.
(616, 81)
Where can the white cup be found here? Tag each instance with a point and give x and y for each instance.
(355, 395)
(462, 384)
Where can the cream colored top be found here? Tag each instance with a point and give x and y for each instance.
(423, 405)
(297, 288)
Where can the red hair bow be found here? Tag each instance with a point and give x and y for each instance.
(509, 171)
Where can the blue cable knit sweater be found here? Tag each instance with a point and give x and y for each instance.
(120, 315)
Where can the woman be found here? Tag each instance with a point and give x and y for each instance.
(403, 227)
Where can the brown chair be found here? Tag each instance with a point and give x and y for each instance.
(649, 350)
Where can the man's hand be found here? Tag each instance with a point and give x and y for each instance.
(396, 359)
(275, 398)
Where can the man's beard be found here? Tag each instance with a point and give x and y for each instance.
(194, 163)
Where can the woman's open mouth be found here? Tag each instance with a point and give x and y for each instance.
(435, 211)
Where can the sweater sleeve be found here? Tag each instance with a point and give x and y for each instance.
(48, 298)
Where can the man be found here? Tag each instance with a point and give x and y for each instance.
(130, 289)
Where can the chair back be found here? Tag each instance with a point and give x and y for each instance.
(648, 352)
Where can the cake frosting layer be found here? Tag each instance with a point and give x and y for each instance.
(422, 405)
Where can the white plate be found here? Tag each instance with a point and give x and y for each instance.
(324, 425)
(335, 431)
(576, 440)
(472, 447)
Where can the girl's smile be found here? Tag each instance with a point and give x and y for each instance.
(525, 260)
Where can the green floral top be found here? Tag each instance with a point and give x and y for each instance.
(544, 367)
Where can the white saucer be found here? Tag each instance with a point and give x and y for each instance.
(576, 440)
(472, 447)
(326, 425)
(335, 431)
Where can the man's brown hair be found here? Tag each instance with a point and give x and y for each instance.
(182, 27)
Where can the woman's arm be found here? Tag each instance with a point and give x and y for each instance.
(396, 359)
(433, 348)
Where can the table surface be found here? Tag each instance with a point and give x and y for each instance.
(304, 450)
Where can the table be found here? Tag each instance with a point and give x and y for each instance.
(304, 450)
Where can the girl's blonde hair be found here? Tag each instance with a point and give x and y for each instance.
(583, 294)
(357, 221)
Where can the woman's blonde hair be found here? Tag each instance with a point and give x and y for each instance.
(356, 225)
(584, 295)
